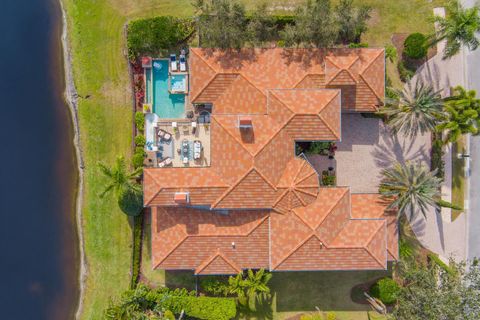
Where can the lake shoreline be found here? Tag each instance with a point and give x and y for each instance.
(71, 98)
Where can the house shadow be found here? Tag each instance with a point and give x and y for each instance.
(326, 290)
(357, 130)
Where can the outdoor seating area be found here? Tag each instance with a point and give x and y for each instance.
(179, 144)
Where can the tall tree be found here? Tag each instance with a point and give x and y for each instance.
(261, 27)
(459, 28)
(122, 184)
(410, 187)
(315, 24)
(416, 109)
(462, 115)
(432, 293)
(221, 23)
(352, 21)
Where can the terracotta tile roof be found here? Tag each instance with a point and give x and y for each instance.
(363, 69)
(191, 239)
(373, 206)
(296, 225)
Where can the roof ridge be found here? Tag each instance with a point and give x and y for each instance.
(296, 248)
(253, 168)
(217, 254)
(305, 191)
(171, 251)
(158, 186)
(371, 61)
(326, 122)
(253, 85)
(299, 198)
(370, 87)
(231, 135)
(295, 176)
(280, 197)
(345, 192)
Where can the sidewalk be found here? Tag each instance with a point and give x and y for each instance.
(437, 232)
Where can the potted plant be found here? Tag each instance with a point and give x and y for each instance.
(147, 108)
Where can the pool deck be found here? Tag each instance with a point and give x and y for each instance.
(170, 148)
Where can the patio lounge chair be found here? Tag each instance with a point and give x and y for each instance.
(173, 62)
(197, 149)
(183, 63)
(165, 162)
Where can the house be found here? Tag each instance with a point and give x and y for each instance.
(257, 204)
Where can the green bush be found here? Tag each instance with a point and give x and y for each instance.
(131, 202)
(433, 258)
(436, 162)
(140, 140)
(415, 47)
(137, 159)
(405, 74)
(358, 45)
(207, 308)
(386, 290)
(214, 286)
(168, 315)
(155, 36)
(137, 250)
(390, 52)
(140, 121)
(405, 249)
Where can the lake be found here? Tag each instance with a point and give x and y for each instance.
(38, 241)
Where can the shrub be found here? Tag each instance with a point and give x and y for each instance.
(405, 249)
(214, 286)
(358, 45)
(140, 121)
(137, 250)
(327, 179)
(207, 308)
(415, 46)
(137, 159)
(433, 258)
(437, 162)
(140, 140)
(156, 35)
(168, 315)
(131, 202)
(405, 74)
(390, 52)
(386, 290)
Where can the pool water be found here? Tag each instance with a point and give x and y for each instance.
(165, 104)
(178, 82)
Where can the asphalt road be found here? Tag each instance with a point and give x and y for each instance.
(473, 214)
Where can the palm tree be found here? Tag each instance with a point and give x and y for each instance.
(458, 28)
(415, 109)
(410, 187)
(120, 181)
(251, 290)
(462, 115)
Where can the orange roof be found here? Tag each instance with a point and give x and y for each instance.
(285, 95)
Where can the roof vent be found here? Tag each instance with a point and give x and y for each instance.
(233, 245)
(181, 197)
(245, 122)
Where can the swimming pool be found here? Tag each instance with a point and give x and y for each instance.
(165, 104)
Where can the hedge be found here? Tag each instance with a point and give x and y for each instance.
(140, 121)
(138, 159)
(436, 162)
(206, 308)
(154, 36)
(386, 290)
(140, 140)
(137, 250)
(415, 46)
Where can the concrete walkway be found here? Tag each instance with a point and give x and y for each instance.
(437, 232)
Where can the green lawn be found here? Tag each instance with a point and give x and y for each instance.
(100, 71)
(458, 177)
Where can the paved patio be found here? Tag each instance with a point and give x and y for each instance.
(366, 148)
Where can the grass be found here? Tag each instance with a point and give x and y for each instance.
(100, 72)
(458, 177)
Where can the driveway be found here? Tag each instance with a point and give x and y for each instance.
(367, 147)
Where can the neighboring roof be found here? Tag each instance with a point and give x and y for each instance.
(209, 242)
(240, 80)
